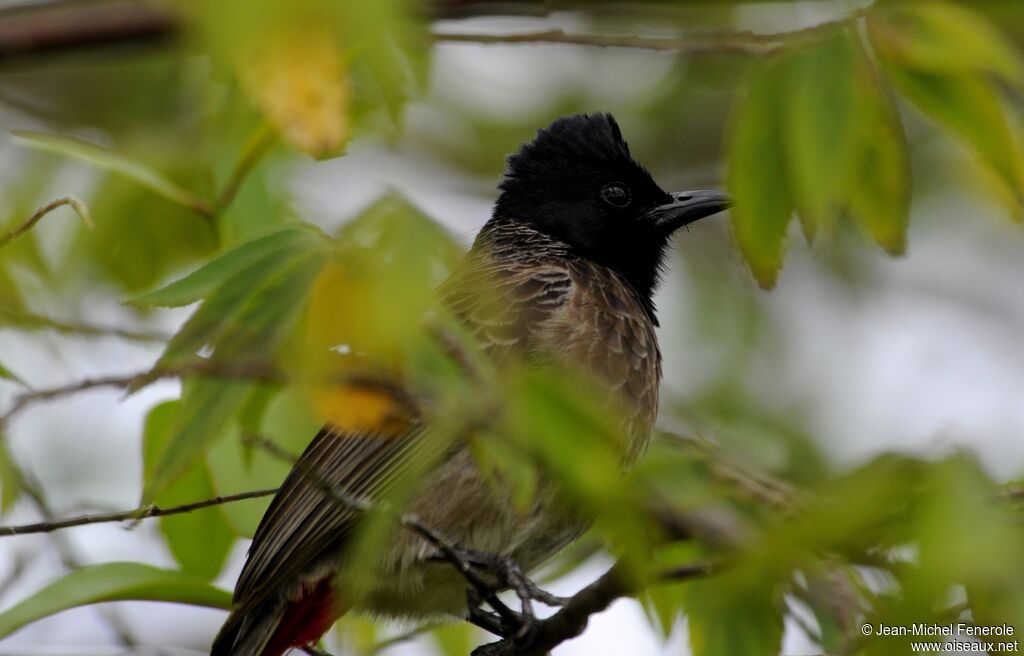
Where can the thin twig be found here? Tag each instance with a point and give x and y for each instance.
(70, 560)
(75, 204)
(33, 321)
(144, 512)
(744, 43)
(250, 371)
(1012, 493)
(63, 25)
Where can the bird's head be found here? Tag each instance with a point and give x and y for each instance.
(577, 182)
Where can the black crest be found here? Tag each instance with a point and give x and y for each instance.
(585, 145)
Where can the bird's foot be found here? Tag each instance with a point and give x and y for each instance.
(506, 624)
(511, 576)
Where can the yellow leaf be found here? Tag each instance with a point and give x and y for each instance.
(299, 79)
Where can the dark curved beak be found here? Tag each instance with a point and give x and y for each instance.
(687, 207)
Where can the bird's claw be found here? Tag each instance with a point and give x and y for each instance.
(511, 576)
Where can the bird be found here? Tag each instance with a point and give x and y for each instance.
(565, 270)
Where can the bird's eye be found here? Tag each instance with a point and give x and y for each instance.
(616, 194)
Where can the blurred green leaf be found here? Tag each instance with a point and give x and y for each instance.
(7, 374)
(664, 605)
(763, 203)
(968, 537)
(251, 312)
(201, 557)
(10, 476)
(288, 422)
(207, 278)
(819, 115)
(970, 109)
(506, 469)
(139, 238)
(356, 635)
(559, 421)
(878, 187)
(207, 405)
(454, 639)
(734, 614)
(944, 37)
(112, 582)
(111, 161)
(665, 601)
(383, 47)
(243, 321)
(952, 91)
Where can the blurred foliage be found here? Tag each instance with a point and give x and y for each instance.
(182, 171)
(112, 582)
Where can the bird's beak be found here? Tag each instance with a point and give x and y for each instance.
(687, 207)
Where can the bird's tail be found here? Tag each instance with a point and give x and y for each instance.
(276, 625)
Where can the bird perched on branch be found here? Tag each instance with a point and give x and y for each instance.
(570, 260)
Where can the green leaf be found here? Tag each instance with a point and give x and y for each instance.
(252, 311)
(967, 536)
(115, 163)
(663, 604)
(454, 639)
(969, 108)
(953, 87)
(112, 582)
(207, 405)
(10, 476)
(734, 614)
(560, 420)
(288, 422)
(944, 37)
(204, 280)
(270, 313)
(203, 557)
(763, 203)
(357, 636)
(878, 187)
(243, 321)
(139, 238)
(818, 118)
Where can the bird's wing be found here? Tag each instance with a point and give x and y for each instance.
(304, 524)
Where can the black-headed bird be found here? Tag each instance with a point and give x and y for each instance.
(564, 271)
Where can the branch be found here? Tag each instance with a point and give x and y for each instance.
(738, 42)
(69, 559)
(248, 371)
(75, 204)
(572, 619)
(1013, 493)
(522, 634)
(60, 26)
(144, 512)
(33, 321)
